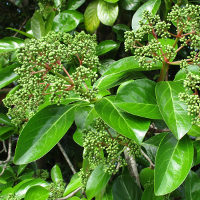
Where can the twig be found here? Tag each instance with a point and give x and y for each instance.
(70, 195)
(66, 158)
(4, 147)
(3, 169)
(152, 166)
(9, 153)
(132, 165)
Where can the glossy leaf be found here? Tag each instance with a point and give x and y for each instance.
(37, 193)
(152, 6)
(151, 145)
(192, 186)
(22, 190)
(111, 1)
(106, 46)
(5, 120)
(173, 162)
(74, 184)
(5, 129)
(49, 21)
(96, 182)
(43, 132)
(74, 4)
(7, 75)
(119, 29)
(81, 116)
(20, 169)
(112, 80)
(56, 174)
(21, 32)
(38, 25)
(148, 194)
(124, 123)
(8, 44)
(130, 4)
(125, 188)
(194, 131)
(108, 193)
(173, 110)
(91, 19)
(78, 137)
(196, 145)
(181, 75)
(138, 98)
(126, 64)
(107, 12)
(67, 21)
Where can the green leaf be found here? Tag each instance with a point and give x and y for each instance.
(108, 194)
(181, 75)
(112, 80)
(2, 181)
(74, 184)
(151, 145)
(173, 162)
(22, 190)
(91, 19)
(127, 64)
(38, 25)
(196, 145)
(172, 109)
(21, 32)
(192, 186)
(43, 132)
(49, 21)
(119, 29)
(96, 182)
(7, 75)
(67, 21)
(146, 177)
(8, 44)
(106, 46)
(56, 174)
(37, 193)
(125, 188)
(148, 194)
(58, 3)
(74, 4)
(111, 1)
(5, 129)
(138, 98)
(194, 131)
(152, 6)
(5, 120)
(81, 116)
(78, 137)
(124, 123)
(130, 4)
(20, 169)
(107, 12)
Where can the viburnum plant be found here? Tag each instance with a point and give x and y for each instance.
(137, 122)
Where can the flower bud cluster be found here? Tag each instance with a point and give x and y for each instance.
(56, 190)
(44, 72)
(101, 147)
(191, 96)
(186, 19)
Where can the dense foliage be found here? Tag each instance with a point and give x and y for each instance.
(111, 86)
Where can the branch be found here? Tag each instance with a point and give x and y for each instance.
(132, 165)
(66, 158)
(9, 153)
(70, 195)
(152, 166)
